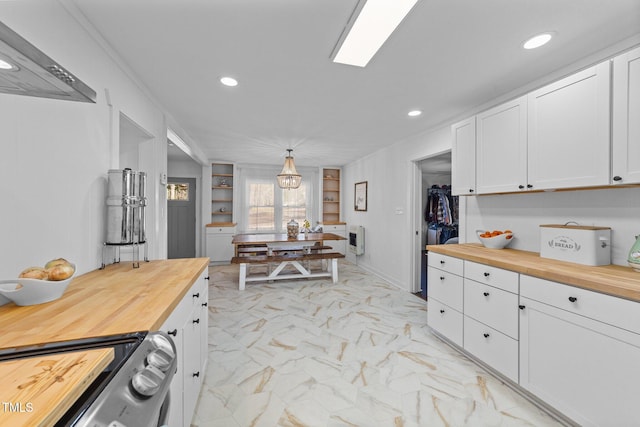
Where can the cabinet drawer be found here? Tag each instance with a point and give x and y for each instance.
(604, 308)
(492, 306)
(445, 287)
(492, 347)
(497, 277)
(446, 263)
(445, 320)
(221, 230)
(338, 229)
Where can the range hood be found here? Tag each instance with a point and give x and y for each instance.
(25, 70)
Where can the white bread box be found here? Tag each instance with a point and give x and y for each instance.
(587, 245)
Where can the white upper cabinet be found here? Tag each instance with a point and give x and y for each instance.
(626, 118)
(463, 157)
(568, 131)
(501, 150)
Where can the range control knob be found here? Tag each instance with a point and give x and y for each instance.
(147, 381)
(160, 359)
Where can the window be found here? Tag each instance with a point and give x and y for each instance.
(268, 208)
(178, 192)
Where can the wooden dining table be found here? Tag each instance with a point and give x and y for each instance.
(249, 240)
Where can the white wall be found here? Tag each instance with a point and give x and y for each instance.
(56, 154)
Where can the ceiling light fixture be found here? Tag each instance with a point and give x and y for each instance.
(289, 177)
(229, 81)
(537, 40)
(4, 65)
(414, 113)
(369, 26)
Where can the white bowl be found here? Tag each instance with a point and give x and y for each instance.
(34, 291)
(496, 242)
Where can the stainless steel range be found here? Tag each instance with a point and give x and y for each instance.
(133, 391)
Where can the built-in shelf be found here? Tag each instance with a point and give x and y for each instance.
(221, 193)
(330, 195)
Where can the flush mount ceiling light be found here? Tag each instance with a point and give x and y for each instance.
(289, 177)
(4, 65)
(369, 26)
(414, 113)
(229, 81)
(538, 40)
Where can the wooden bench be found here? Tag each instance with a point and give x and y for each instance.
(293, 259)
(262, 250)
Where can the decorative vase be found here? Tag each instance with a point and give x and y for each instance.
(292, 229)
(634, 255)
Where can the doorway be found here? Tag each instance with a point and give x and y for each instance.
(181, 217)
(430, 173)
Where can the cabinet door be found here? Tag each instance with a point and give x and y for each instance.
(192, 367)
(204, 321)
(445, 320)
(568, 131)
(492, 347)
(501, 151)
(626, 125)
(586, 369)
(219, 246)
(463, 157)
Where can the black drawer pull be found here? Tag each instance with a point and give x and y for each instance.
(206, 278)
(441, 277)
(204, 304)
(529, 186)
(487, 274)
(486, 294)
(196, 321)
(471, 190)
(196, 374)
(196, 295)
(174, 332)
(521, 307)
(441, 261)
(441, 311)
(573, 299)
(521, 187)
(486, 335)
(617, 178)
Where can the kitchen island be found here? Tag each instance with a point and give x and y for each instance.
(114, 301)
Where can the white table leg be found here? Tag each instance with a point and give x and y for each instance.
(243, 276)
(334, 270)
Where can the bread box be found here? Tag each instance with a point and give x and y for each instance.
(587, 245)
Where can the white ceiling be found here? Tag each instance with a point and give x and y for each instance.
(446, 58)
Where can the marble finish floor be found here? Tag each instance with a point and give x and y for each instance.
(358, 353)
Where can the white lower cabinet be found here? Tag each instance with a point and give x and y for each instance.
(445, 320)
(220, 250)
(585, 368)
(188, 325)
(444, 307)
(491, 346)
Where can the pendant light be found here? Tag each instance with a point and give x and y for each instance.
(289, 177)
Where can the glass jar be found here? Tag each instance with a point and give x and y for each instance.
(292, 229)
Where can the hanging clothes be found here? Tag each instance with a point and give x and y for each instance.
(441, 214)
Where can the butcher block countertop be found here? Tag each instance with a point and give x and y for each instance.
(116, 300)
(41, 389)
(620, 281)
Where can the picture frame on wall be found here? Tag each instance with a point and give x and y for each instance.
(360, 196)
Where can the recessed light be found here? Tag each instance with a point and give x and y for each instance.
(414, 113)
(229, 81)
(4, 65)
(537, 41)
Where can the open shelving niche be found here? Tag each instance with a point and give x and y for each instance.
(222, 194)
(331, 196)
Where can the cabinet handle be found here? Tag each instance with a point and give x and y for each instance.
(441, 262)
(617, 178)
(521, 307)
(486, 335)
(206, 278)
(204, 304)
(487, 274)
(471, 190)
(174, 332)
(196, 374)
(486, 294)
(441, 277)
(441, 311)
(573, 299)
(196, 321)
(521, 186)
(529, 186)
(196, 295)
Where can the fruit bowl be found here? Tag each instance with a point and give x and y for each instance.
(495, 241)
(25, 291)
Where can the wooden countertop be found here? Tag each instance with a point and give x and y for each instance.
(41, 389)
(620, 281)
(117, 300)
